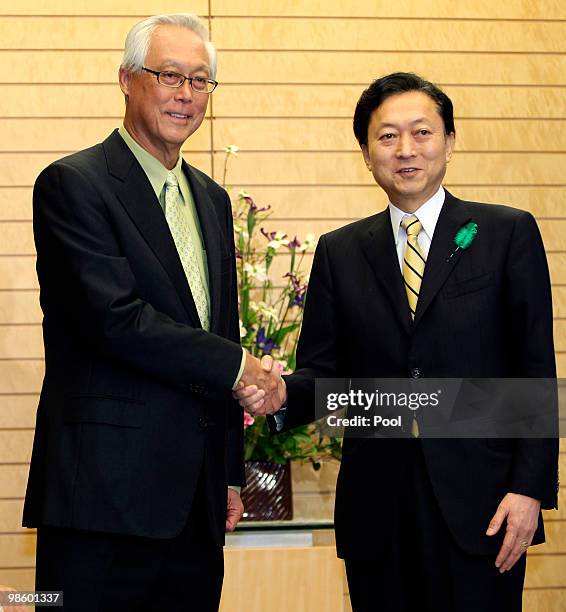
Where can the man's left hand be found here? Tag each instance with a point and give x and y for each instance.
(521, 513)
(234, 510)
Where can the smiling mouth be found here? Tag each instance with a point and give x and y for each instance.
(407, 170)
(178, 115)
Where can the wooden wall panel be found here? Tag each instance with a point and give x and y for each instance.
(15, 445)
(551, 600)
(557, 266)
(332, 100)
(351, 202)
(17, 273)
(18, 411)
(11, 515)
(15, 203)
(21, 169)
(291, 73)
(305, 67)
(323, 134)
(19, 579)
(341, 201)
(301, 67)
(411, 9)
(68, 135)
(64, 100)
(140, 8)
(17, 236)
(78, 32)
(21, 376)
(18, 550)
(13, 479)
(555, 540)
(379, 35)
(19, 307)
(21, 342)
(280, 168)
(307, 579)
(545, 571)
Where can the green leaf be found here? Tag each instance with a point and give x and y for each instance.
(280, 335)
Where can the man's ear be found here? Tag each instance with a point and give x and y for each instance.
(367, 159)
(125, 79)
(450, 141)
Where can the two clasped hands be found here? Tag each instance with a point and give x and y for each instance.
(261, 389)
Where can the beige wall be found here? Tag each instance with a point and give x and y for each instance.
(291, 72)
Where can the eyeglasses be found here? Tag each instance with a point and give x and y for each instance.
(175, 80)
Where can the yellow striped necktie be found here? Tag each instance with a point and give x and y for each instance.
(413, 271)
(413, 262)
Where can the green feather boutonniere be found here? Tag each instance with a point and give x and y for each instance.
(464, 237)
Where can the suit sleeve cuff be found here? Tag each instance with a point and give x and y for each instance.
(241, 370)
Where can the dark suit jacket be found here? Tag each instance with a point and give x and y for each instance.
(486, 312)
(136, 401)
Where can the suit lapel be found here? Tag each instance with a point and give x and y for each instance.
(211, 233)
(380, 251)
(138, 198)
(439, 264)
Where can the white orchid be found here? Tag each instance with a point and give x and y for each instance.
(307, 243)
(264, 310)
(257, 271)
(280, 239)
(232, 150)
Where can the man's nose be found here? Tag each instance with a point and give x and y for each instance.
(405, 146)
(185, 92)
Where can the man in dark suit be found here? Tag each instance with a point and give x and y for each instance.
(427, 524)
(138, 451)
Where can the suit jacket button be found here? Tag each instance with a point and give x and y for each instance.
(203, 422)
(416, 373)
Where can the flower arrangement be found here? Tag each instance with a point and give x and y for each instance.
(271, 313)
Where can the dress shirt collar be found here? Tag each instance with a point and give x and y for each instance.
(156, 172)
(427, 214)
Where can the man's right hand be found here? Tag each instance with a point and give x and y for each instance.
(262, 392)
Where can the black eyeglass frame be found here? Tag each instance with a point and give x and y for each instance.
(190, 79)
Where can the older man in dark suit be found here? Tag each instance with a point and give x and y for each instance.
(138, 451)
(428, 524)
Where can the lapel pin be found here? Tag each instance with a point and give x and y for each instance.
(464, 238)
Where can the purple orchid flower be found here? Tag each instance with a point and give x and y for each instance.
(294, 244)
(253, 206)
(267, 345)
(298, 292)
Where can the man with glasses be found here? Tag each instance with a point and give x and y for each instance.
(138, 437)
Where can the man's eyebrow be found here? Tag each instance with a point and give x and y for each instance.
(394, 125)
(176, 64)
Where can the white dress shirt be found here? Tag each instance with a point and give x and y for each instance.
(427, 214)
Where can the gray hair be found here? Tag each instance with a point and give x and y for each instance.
(139, 37)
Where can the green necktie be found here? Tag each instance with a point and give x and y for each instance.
(185, 246)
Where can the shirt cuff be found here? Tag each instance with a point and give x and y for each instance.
(235, 488)
(279, 417)
(241, 370)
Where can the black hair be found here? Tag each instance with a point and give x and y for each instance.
(396, 83)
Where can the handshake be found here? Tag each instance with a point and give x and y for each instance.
(261, 389)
